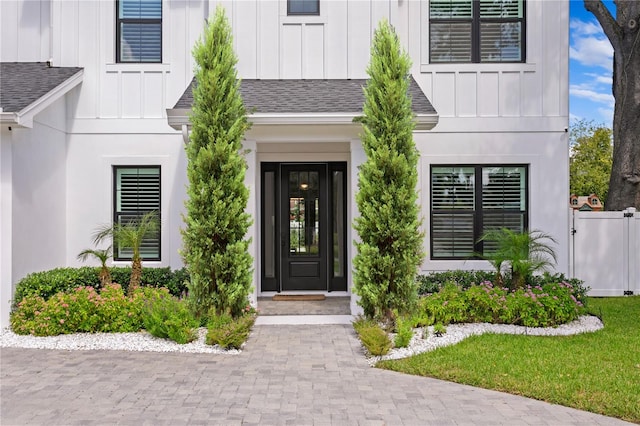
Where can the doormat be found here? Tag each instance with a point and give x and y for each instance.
(298, 297)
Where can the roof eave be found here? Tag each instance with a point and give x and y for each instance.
(24, 117)
(180, 117)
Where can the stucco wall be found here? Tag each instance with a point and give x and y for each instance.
(90, 186)
(39, 193)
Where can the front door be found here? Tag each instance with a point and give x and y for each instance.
(303, 222)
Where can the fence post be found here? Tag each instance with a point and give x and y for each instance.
(631, 248)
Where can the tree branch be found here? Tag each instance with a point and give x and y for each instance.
(607, 22)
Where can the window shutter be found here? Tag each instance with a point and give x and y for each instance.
(450, 9)
(451, 42)
(141, 42)
(453, 205)
(137, 193)
(450, 30)
(476, 30)
(140, 30)
(503, 199)
(501, 8)
(500, 41)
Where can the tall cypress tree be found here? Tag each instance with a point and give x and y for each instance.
(215, 249)
(390, 250)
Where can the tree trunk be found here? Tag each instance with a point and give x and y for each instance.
(136, 275)
(624, 185)
(624, 35)
(105, 277)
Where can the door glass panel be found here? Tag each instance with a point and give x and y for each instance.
(269, 226)
(304, 213)
(338, 215)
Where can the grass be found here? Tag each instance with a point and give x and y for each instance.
(597, 372)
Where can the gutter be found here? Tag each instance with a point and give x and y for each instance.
(178, 118)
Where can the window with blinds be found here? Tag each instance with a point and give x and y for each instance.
(468, 200)
(139, 31)
(477, 30)
(136, 192)
(303, 7)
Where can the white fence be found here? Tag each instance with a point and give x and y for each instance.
(605, 251)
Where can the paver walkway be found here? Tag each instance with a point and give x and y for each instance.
(290, 375)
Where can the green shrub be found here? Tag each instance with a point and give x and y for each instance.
(539, 306)
(47, 283)
(169, 318)
(439, 329)
(433, 282)
(81, 310)
(579, 290)
(374, 339)
(404, 333)
(448, 306)
(227, 332)
(154, 277)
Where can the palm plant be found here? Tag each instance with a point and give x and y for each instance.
(523, 252)
(102, 255)
(131, 235)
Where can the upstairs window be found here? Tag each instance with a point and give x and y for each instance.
(139, 31)
(303, 7)
(471, 31)
(468, 200)
(136, 192)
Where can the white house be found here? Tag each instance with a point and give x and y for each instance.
(95, 99)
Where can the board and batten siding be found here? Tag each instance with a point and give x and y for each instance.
(272, 45)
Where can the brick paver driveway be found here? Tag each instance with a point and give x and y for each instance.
(297, 375)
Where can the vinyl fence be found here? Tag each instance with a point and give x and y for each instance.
(605, 251)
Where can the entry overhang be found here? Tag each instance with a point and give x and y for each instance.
(305, 102)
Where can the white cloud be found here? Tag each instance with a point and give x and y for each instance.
(573, 117)
(607, 115)
(581, 91)
(583, 28)
(589, 45)
(601, 78)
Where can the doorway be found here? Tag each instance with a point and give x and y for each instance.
(303, 218)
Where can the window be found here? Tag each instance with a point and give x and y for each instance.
(139, 31)
(303, 7)
(477, 30)
(136, 192)
(466, 201)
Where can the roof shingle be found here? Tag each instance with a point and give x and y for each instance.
(23, 83)
(308, 96)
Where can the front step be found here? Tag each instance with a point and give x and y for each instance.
(328, 306)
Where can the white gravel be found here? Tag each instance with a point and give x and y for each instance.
(458, 332)
(141, 341)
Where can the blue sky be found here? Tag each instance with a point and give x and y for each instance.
(590, 67)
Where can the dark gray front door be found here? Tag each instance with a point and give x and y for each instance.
(303, 227)
(303, 240)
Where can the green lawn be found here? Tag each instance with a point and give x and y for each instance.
(598, 372)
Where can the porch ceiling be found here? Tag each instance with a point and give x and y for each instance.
(305, 102)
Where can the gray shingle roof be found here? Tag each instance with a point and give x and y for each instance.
(23, 83)
(308, 96)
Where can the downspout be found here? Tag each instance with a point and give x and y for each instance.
(185, 134)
